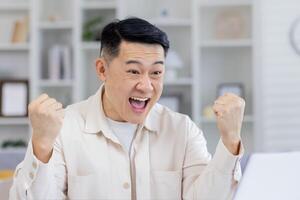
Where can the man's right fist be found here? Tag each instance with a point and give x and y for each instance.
(46, 116)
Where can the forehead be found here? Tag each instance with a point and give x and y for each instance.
(137, 50)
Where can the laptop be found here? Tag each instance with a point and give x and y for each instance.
(271, 176)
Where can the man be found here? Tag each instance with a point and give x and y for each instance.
(121, 144)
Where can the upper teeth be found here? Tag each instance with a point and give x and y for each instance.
(139, 99)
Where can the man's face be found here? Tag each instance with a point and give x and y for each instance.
(133, 81)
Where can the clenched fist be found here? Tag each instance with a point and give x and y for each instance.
(46, 116)
(229, 111)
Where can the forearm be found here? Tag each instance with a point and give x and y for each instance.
(35, 180)
(42, 149)
(212, 184)
(217, 180)
(232, 145)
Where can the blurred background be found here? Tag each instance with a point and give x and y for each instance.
(249, 47)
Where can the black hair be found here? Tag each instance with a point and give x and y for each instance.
(131, 30)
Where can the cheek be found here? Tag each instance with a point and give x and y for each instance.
(158, 88)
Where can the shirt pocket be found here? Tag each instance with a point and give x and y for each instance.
(86, 187)
(166, 184)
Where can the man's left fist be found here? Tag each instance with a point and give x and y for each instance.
(229, 111)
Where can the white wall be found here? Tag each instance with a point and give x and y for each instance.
(280, 78)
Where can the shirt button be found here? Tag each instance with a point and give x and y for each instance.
(126, 185)
(34, 165)
(31, 175)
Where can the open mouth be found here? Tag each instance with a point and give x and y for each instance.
(138, 103)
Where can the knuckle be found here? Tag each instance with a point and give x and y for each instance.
(51, 100)
(30, 107)
(44, 95)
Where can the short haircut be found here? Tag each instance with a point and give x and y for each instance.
(130, 30)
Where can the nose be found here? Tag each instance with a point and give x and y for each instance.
(145, 84)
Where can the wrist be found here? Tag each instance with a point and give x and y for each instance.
(42, 149)
(232, 144)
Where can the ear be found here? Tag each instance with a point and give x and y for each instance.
(101, 68)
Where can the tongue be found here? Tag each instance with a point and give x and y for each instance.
(138, 104)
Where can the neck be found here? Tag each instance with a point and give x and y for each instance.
(109, 110)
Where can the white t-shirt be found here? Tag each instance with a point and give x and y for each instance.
(124, 131)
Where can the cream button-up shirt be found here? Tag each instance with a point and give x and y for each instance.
(168, 160)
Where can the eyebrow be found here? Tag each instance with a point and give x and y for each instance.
(159, 62)
(137, 62)
(132, 62)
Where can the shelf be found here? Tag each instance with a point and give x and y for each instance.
(178, 82)
(99, 5)
(226, 43)
(56, 83)
(14, 121)
(14, 47)
(247, 119)
(91, 45)
(14, 6)
(13, 150)
(171, 22)
(56, 25)
(225, 3)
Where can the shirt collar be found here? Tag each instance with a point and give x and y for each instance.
(96, 122)
(153, 119)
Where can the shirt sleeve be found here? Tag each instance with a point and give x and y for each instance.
(204, 177)
(34, 179)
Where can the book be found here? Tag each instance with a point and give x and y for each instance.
(54, 62)
(59, 62)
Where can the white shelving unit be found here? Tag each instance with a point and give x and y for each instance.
(94, 46)
(53, 83)
(56, 25)
(53, 25)
(15, 62)
(14, 121)
(96, 5)
(207, 60)
(178, 82)
(86, 50)
(176, 22)
(14, 47)
(226, 3)
(220, 57)
(20, 6)
(225, 43)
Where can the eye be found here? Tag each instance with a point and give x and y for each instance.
(133, 71)
(157, 73)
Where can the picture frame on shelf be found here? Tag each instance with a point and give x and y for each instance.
(14, 98)
(235, 88)
(171, 101)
